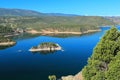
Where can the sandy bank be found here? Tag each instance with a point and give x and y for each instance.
(57, 32)
(7, 43)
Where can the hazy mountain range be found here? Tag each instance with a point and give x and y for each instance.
(23, 12)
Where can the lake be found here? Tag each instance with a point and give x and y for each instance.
(17, 63)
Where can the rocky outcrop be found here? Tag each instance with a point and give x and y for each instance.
(71, 77)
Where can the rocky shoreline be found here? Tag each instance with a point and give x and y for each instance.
(71, 77)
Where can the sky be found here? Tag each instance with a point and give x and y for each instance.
(79, 7)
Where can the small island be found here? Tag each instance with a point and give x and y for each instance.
(46, 46)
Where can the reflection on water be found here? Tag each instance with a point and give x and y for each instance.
(44, 52)
(27, 35)
(5, 47)
(24, 36)
(62, 35)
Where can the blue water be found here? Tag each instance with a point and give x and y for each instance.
(17, 63)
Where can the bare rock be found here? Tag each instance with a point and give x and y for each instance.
(76, 77)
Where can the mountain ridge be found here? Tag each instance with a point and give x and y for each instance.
(19, 12)
(26, 12)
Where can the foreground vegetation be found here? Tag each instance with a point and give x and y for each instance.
(104, 64)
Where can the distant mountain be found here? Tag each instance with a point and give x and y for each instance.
(115, 19)
(23, 12)
(60, 14)
(19, 12)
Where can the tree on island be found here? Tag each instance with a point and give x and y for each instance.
(47, 45)
(104, 64)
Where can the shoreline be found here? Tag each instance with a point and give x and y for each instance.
(10, 35)
(7, 43)
(77, 76)
(44, 49)
(57, 32)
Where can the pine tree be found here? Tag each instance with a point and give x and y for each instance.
(113, 72)
(100, 63)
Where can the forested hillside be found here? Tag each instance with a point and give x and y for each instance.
(60, 23)
(104, 64)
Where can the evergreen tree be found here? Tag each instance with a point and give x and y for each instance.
(100, 63)
(113, 72)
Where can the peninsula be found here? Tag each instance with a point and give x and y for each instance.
(6, 41)
(46, 46)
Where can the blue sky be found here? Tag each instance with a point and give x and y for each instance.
(80, 7)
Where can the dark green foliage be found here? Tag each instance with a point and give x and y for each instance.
(113, 72)
(47, 44)
(104, 64)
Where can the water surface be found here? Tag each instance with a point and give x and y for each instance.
(17, 63)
